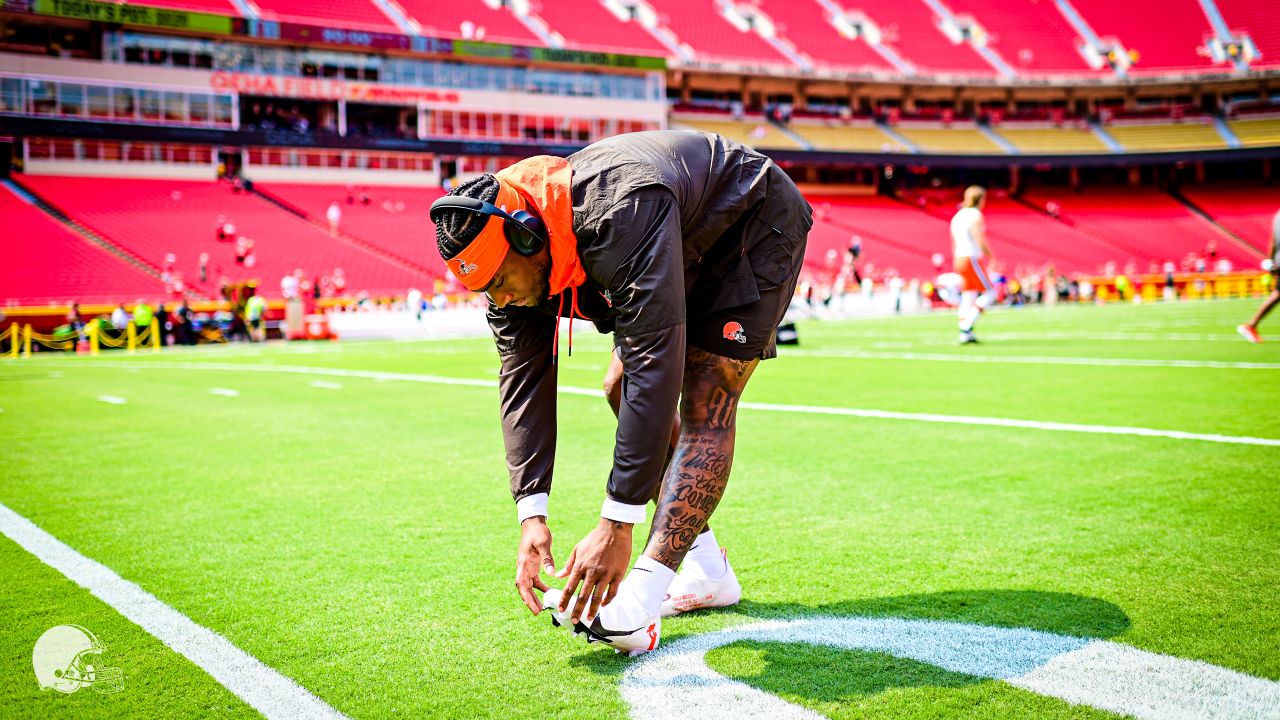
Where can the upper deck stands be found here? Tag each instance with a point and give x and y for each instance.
(587, 25)
(1031, 35)
(469, 20)
(1167, 34)
(359, 14)
(911, 28)
(1261, 19)
(699, 24)
(805, 24)
(216, 7)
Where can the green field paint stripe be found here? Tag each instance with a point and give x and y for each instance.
(961, 357)
(769, 407)
(261, 687)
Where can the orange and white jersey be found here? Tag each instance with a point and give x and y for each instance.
(963, 242)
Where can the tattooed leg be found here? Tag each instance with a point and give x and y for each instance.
(695, 480)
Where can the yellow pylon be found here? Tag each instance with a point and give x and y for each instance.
(26, 341)
(133, 337)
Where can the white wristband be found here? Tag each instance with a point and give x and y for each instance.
(622, 512)
(531, 506)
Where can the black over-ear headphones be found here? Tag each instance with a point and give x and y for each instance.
(524, 231)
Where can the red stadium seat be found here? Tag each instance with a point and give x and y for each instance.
(1031, 35)
(804, 23)
(447, 19)
(45, 263)
(1261, 20)
(1125, 217)
(699, 24)
(1246, 211)
(912, 29)
(359, 14)
(587, 25)
(1166, 34)
(156, 217)
(404, 228)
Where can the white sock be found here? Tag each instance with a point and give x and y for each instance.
(649, 581)
(705, 556)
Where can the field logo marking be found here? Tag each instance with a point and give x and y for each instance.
(67, 658)
(676, 682)
(261, 687)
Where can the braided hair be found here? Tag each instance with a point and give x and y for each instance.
(455, 229)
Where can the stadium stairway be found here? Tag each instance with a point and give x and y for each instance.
(321, 224)
(92, 236)
(1226, 232)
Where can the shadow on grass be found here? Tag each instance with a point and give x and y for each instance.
(827, 673)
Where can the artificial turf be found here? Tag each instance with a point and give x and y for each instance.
(361, 539)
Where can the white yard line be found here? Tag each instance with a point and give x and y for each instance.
(819, 334)
(676, 681)
(224, 392)
(769, 407)
(112, 400)
(262, 688)
(961, 357)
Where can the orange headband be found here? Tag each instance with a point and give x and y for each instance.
(478, 262)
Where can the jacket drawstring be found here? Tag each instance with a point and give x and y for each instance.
(574, 312)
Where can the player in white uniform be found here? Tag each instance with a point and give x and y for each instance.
(971, 255)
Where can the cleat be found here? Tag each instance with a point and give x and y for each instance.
(622, 624)
(1250, 333)
(968, 338)
(693, 590)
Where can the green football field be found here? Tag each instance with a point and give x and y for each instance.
(340, 512)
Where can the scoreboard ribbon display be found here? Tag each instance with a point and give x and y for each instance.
(138, 15)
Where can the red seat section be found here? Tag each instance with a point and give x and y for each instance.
(1261, 20)
(447, 19)
(1153, 226)
(1167, 34)
(1245, 211)
(699, 24)
(894, 238)
(1025, 239)
(42, 262)
(217, 7)
(587, 25)
(360, 14)
(912, 28)
(154, 218)
(1031, 35)
(804, 23)
(396, 219)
